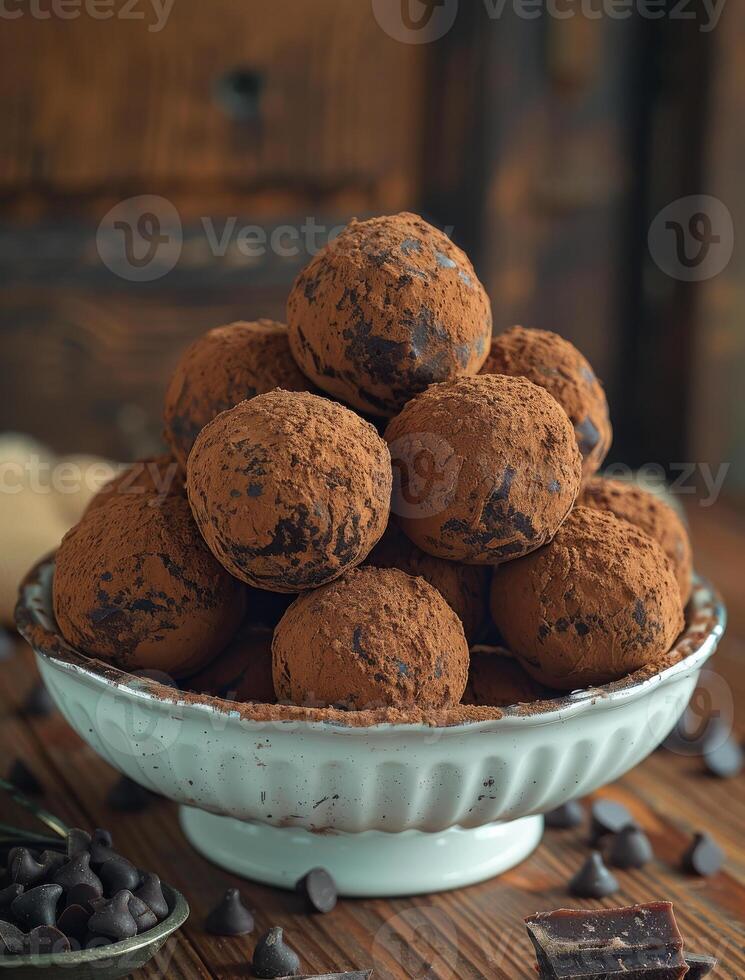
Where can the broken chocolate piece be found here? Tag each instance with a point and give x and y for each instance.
(117, 875)
(703, 857)
(39, 702)
(319, 890)
(699, 965)
(112, 917)
(608, 817)
(230, 917)
(127, 796)
(630, 848)
(151, 893)
(23, 779)
(567, 815)
(593, 880)
(642, 942)
(273, 958)
(37, 906)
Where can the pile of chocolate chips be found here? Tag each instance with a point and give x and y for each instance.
(83, 897)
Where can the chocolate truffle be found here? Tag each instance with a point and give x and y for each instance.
(221, 368)
(243, 671)
(136, 585)
(497, 680)
(597, 603)
(486, 468)
(375, 637)
(385, 309)
(289, 489)
(154, 475)
(650, 514)
(464, 587)
(552, 362)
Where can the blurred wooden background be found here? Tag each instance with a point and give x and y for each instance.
(547, 146)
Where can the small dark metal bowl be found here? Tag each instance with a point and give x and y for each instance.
(105, 962)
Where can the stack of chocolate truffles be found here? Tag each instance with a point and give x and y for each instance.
(379, 506)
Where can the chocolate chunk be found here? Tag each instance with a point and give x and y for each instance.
(593, 880)
(127, 796)
(142, 914)
(726, 760)
(82, 894)
(608, 817)
(112, 917)
(151, 893)
(630, 848)
(703, 857)
(39, 702)
(567, 815)
(74, 921)
(23, 779)
(319, 890)
(78, 842)
(273, 958)
(230, 917)
(45, 940)
(11, 939)
(699, 966)
(37, 906)
(23, 867)
(77, 871)
(642, 941)
(7, 895)
(118, 874)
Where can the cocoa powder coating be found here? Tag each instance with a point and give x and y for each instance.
(495, 678)
(486, 468)
(221, 368)
(386, 309)
(159, 475)
(243, 671)
(289, 490)
(377, 637)
(598, 602)
(464, 587)
(650, 514)
(136, 585)
(552, 362)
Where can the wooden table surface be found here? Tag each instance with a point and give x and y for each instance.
(473, 932)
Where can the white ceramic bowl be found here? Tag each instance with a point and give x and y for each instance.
(388, 809)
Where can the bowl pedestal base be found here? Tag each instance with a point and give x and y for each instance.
(371, 864)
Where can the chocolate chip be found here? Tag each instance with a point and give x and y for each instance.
(142, 914)
(23, 867)
(23, 779)
(570, 814)
(82, 894)
(273, 958)
(319, 890)
(78, 842)
(630, 848)
(74, 921)
(77, 871)
(704, 856)
(45, 940)
(11, 938)
(593, 880)
(37, 906)
(699, 965)
(38, 703)
(52, 861)
(230, 917)
(7, 895)
(119, 874)
(151, 893)
(726, 760)
(127, 796)
(102, 837)
(111, 917)
(607, 817)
